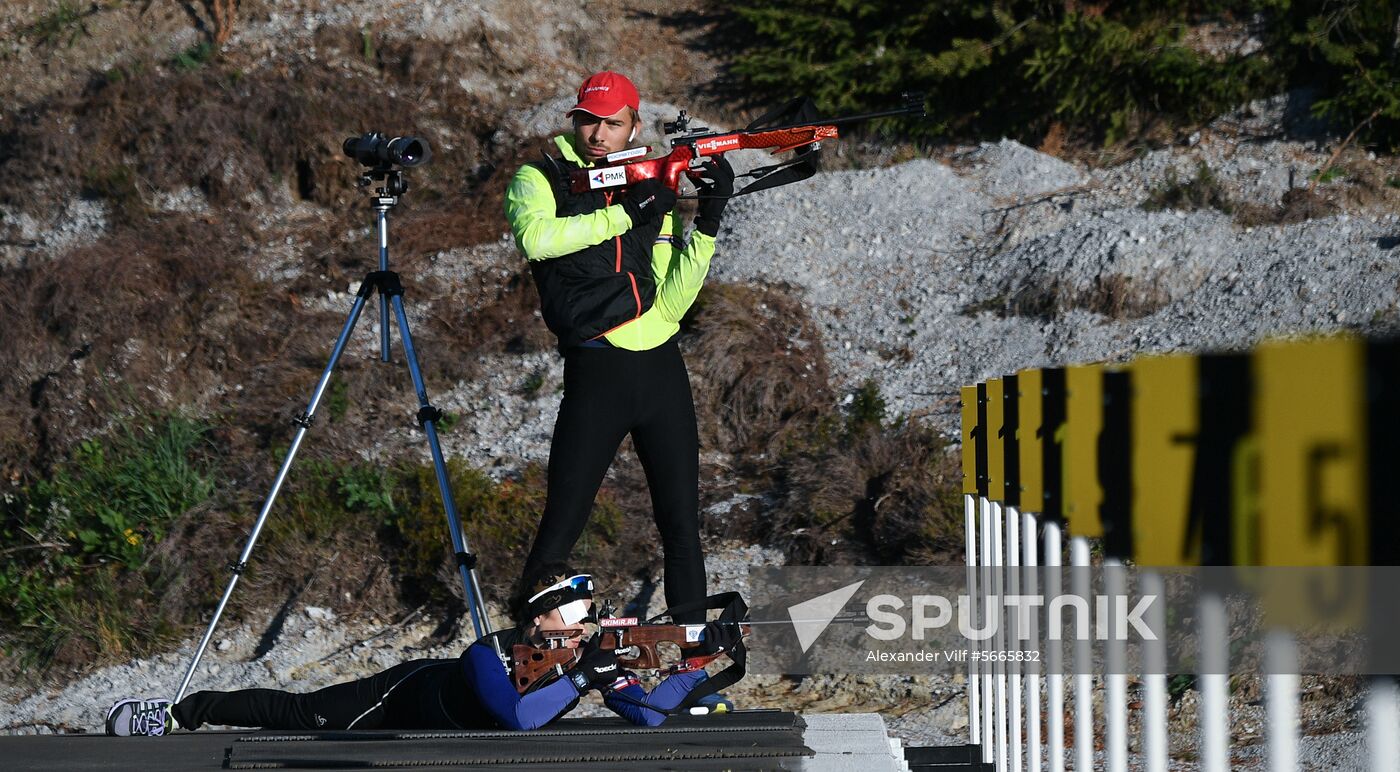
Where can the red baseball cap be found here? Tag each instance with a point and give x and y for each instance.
(605, 93)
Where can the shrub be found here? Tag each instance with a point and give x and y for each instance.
(80, 544)
(760, 367)
(1201, 191)
(1005, 69)
(842, 485)
(1109, 71)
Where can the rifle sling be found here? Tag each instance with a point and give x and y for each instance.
(786, 173)
(732, 609)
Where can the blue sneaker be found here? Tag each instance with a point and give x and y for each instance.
(140, 718)
(717, 703)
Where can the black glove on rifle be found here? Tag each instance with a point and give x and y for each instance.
(596, 668)
(720, 636)
(715, 187)
(648, 200)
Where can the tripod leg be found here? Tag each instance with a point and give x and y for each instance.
(428, 415)
(303, 423)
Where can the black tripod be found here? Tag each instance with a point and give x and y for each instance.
(386, 282)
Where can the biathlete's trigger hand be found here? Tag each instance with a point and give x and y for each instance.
(648, 200)
(716, 185)
(596, 669)
(714, 175)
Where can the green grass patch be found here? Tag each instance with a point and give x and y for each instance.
(63, 25)
(194, 57)
(1200, 191)
(78, 566)
(1330, 174)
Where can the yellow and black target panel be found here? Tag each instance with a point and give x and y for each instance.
(996, 440)
(974, 435)
(1083, 423)
(1312, 442)
(1035, 421)
(1030, 451)
(1312, 509)
(1011, 439)
(1383, 449)
(971, 436)
(1165, 424)
(1115, 464)
(1192, 460)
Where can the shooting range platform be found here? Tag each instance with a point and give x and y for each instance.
(744, 740)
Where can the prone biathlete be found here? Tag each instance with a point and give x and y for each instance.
(616, 273)
(473, 691)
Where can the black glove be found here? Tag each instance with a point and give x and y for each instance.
(596, 669)
(720, 636)
(648, 200)
(715, 186)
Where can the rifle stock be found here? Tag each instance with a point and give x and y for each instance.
(637, 646)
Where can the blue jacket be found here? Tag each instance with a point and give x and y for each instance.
(495, 699)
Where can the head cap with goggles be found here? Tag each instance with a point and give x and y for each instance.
(569, 595)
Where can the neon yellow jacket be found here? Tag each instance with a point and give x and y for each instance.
(678, 267)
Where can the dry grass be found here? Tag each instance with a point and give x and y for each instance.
(140, 312)
(1111, 295)
(886, 495)
(846, 486)
(759, 367)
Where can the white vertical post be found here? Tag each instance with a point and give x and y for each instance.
(1215, 662)
(1054, 656)
(1013, 642)
(1083, 665)
(999, 579)
(988, 704)
(1030, 558)
(1154, 660)
(1115, 712)
(974, 687)
(1384, 716)
(1281, 699)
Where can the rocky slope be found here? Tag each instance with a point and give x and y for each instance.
(923, 276)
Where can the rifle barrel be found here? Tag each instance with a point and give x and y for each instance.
(913, 109)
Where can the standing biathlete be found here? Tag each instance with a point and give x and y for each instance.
(615, 275)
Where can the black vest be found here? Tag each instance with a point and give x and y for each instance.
(593, 290)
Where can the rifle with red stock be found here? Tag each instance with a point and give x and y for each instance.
(688, 151)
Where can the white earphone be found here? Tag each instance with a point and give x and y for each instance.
(631, 137)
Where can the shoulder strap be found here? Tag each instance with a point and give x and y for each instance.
(556, 170)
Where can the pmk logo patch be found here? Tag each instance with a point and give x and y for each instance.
(607, 178)
(717, 145)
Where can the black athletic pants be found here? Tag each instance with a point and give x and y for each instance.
(608, 394)
(412, 695)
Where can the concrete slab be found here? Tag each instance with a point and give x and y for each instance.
(850, 741)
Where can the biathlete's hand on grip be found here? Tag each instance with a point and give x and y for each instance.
(720, 637)
(648, 200)
(596, 669)
(715, 184)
